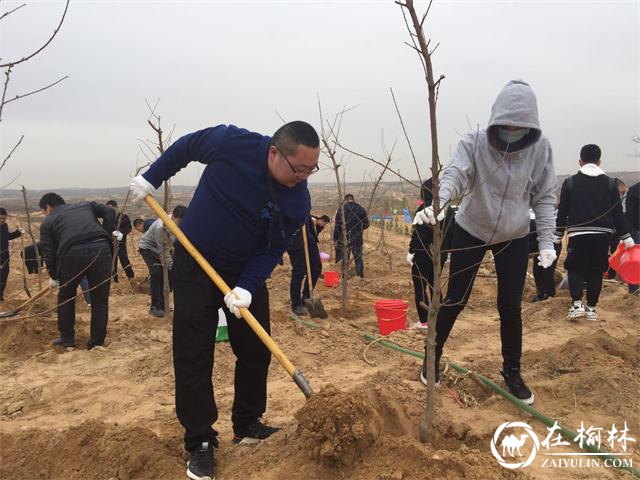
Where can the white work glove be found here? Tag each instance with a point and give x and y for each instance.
(21, 230)
(410, 258)
(236, 299)
(557, 239)
(53, 284)
(546, 257)
(426, 216)
(140, 188)
(118, 235)
(628, 243)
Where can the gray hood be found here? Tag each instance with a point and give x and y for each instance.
(515, 106)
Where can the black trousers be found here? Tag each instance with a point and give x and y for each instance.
(544, 277)
(123, 256)
(4, 274)
(93, 260)
(511, 260)
(197, 301)
(354, 249)
(299, 280)
(156, 281)
(587, 259)
(422, 277)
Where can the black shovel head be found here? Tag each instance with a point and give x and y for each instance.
(315, 308)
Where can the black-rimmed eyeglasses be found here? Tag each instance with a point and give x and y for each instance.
(301, 170)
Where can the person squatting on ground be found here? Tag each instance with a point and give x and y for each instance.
(420, 257)
(251, 199)
(156, 247)
(74, 245)
(499, 172)
(5, 236)
(357, 221)
(544, 278)
(299, 283)
(590, 211)
(123, 225)
(632, 215)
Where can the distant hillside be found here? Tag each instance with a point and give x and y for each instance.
(389, 195)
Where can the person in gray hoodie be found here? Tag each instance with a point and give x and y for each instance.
(495, 176)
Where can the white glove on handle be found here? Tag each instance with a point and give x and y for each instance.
(236, 299)
(21, 230)
(628, 243)
(546, 258)
(426, 216)
(557, 239)
(410, 258)
(140, 188)
(118, 235)
(53, 284)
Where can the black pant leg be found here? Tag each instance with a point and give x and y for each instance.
(598, 261)
(4, 274)
(422, 278)
(298, 274)
(156, 282)
(252, 363)
(123, 256)
(511, 260)
(72, 265)
(466, 256)
(195, 321)
(98, 275)
(576, 264)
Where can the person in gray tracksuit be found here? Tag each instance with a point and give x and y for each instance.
(495, 176)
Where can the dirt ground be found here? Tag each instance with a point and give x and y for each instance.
(109, 413)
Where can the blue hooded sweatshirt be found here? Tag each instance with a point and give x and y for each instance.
(240, 218)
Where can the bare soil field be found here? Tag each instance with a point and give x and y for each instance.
(108, 413)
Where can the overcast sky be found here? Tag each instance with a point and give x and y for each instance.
(238, 62)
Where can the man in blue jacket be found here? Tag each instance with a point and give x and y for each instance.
(251, 199)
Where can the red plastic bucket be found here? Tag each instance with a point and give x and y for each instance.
(392, 315)
(614, 260)
(629, 265)
(331, 279)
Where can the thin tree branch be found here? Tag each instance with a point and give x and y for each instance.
(11, 11)
(36, 91)
(55, 32)
(4, 162)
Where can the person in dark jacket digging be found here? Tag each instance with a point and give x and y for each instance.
(357, 221)
(299, 282)
(5, 236)
(123, 225)
(251, 199)
(74, 245)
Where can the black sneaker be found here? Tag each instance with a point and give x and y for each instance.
(517, 386)
(253, 433)
(423, 371)
(64, 342)
(300, 311)
(541, 297)
(156, 312)
(201, 466)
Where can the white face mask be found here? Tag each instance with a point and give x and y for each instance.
(512, 136)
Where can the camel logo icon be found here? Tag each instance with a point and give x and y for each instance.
(511, 445)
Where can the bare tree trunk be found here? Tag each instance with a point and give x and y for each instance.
(426, 427)
(33, 240)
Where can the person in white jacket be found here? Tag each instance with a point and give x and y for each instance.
(495, 176)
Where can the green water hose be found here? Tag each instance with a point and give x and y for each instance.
(568, 434)
(306, 323)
